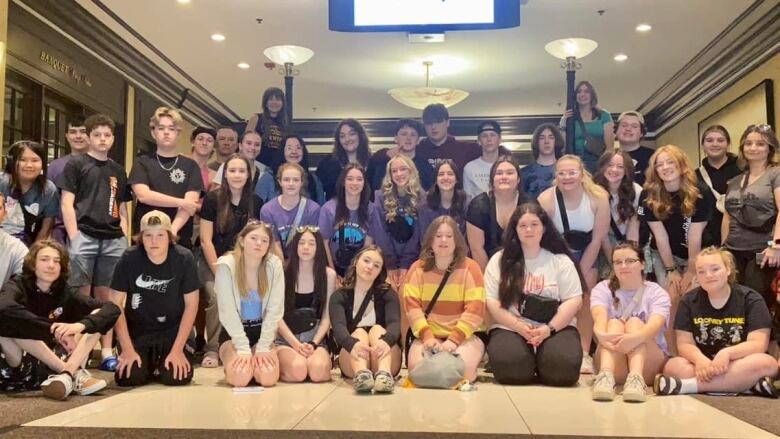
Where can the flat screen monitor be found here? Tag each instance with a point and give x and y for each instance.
(422, 16)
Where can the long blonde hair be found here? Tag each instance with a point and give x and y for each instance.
(238, 256)
(391, 190)
(659, 200)
(590, 187)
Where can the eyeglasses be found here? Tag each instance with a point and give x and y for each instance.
(563, 174)
(624, 262)
(312, 229)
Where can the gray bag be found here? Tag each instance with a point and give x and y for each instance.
(440, 370)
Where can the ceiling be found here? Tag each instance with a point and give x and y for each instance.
(506, 71)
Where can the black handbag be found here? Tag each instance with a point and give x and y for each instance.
(301, 320)
(577, 239)
(409, 334)
(538, 308)
(400, 229)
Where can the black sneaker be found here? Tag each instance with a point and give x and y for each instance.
(765, 387)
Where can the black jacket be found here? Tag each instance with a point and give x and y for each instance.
(18, 321)
(386, 306)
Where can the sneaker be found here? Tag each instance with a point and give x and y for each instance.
(666, 385)
(363, 381)
(57, 386)
(587, 364)
(603, 387)
(86, 384)
(109, 364)
(765, 387)
(634, 390)
(383, 382)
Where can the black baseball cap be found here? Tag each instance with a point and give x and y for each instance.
(435, 113)
(489, 125)
(207, 130)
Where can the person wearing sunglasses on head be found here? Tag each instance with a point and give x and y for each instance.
(750, 228)
(291, 209)
(225, 212)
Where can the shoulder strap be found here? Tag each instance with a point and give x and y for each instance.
(615, 229)
(634, 303)
(297, 220)
(706, 177)
(562, 210)
(584, 130)
(429, 308)
(363, 305)
(493, 221)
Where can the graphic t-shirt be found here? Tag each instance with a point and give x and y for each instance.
(715, 329)
(536, 178)
(548, 275)
(173, 176)
(272, 150)
(641, 158)
(676, 224)
(476, 177)
(155, 293)
(25, 212)
(99, 188)
(224, 241)
(355, 232)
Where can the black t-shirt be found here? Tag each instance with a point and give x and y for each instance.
(676, 224)
(181, 175)
(715, 329)
(155, 293)
(224, 242)
(481, 214)
(271, 134)
(720, 178)
(328, 172)
(99, 188)
(641, 157)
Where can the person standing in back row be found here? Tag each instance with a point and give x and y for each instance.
(440, 145)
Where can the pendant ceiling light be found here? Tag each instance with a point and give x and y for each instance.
(421, 97)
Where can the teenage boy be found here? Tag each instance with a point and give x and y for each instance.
(167, 180)
(12, 250)
(439, 145)
(156, 285)
(94, 210)
(78, 141)
(407, 137)
(547, 147)
(476, 173)
(202, 142)
(629, 131)
(262, 177)
(227, 143)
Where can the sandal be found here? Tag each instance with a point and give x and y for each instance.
(109, 364)
(210, 360)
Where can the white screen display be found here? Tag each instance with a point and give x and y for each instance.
(422, 12)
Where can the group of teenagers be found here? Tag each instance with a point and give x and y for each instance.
(625, 263)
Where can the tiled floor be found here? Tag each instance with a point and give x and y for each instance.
(210, 404)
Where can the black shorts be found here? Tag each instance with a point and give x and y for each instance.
(252, 329)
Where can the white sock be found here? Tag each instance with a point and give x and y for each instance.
(106, 352)
(689, 386)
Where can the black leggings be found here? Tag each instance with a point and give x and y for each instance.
(556, 361)
(153, 348)
(753, 276)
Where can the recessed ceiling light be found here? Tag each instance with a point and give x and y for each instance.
(643, 28)
(620, 57)
(218, 37)
(243, 65)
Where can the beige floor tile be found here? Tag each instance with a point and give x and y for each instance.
(544, 409)
(486, 410)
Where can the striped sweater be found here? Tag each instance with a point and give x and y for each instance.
(458, 312)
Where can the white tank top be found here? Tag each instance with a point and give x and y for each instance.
(581, 218)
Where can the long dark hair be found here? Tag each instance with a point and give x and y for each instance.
(12, 165)
(458, 207)
(380, 283)
(362, 151)
(320, 273)
(311, 184)
(626, 192)
(281, 118)
(226, 219)
(342, 211)
(512, 282)
(614, 283)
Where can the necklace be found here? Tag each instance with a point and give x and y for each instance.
(163, 167)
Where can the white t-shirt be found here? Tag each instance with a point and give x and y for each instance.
(369, 316)
(613, 209)
(476, 177)
(549, 275)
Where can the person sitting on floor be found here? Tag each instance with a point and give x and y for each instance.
(366, 322)
(38, 311)
(159, 280)
(250, 298)
(629, 318)
(723, 331)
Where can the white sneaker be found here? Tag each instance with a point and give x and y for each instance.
(86, 384)
(603, 387)
(634, 390)
(57, 386)
(587, 364)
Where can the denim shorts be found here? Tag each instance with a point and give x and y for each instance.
(92, 260)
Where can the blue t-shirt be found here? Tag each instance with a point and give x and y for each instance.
(595, 129)
(536, 178)
(251, 306)
(24, 212)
